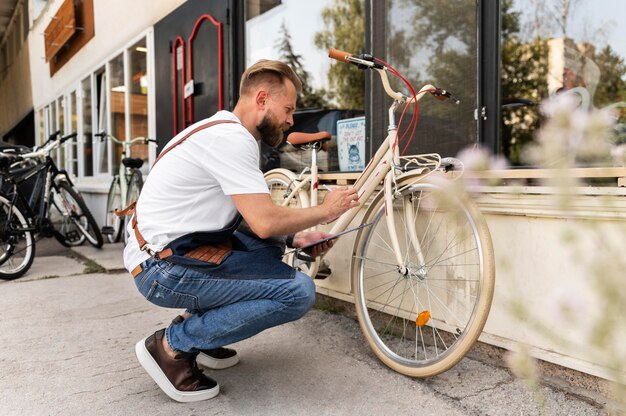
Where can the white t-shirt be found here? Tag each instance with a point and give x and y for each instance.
(189, 189)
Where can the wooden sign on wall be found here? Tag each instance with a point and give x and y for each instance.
(60, 30)
(68, 31)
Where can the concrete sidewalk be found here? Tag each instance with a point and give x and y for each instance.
(68, 348)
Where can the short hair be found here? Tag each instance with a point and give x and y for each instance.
(270, 72)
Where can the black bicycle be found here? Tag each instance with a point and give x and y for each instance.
(38, 200)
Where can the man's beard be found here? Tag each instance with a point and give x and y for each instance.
(271, 131)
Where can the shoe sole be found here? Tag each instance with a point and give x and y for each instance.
(152, 368)
(211, 363)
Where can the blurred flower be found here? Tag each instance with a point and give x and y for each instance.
(523, 366)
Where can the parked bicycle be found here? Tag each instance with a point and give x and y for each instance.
(38, 200)
(125, 187)
(422, 268)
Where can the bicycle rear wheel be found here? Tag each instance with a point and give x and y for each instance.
(280, 183)
(114, 223)
(17, 243)
(422, 316)
(65, 230)
(134, 189)
(76, 210)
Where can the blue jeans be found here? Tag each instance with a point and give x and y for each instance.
(250, 291)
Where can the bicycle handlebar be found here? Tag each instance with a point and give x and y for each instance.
(104, 135)
(339, 55)
(49, 145)
(365, 61)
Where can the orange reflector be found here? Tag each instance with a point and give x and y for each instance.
(422, 318)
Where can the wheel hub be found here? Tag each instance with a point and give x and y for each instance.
(418, 273)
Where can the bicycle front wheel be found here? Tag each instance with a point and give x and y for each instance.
(17, 243)
(76, 210)
(281, 184)
(422, 316)
(114, 223)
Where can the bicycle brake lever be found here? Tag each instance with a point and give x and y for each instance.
(442, 95)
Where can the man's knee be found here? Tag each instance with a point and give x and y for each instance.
(305, 288)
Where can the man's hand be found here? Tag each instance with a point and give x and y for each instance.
(304, 238)
(339, 200)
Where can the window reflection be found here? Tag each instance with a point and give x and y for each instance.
(434, 42)
(87, 128)
(102, 114)
(139, 99)
(41, 137)
(300, 33)
(117, 107)
(72, 144)
(555, 47)
(59, 153)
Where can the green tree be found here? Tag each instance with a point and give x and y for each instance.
(344, 29)
(309, 97)
(434, 42)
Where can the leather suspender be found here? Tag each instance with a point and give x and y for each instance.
(131, 208)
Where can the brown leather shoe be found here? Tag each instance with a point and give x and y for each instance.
(179, 377)
(215, 358)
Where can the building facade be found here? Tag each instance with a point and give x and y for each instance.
(146, 68)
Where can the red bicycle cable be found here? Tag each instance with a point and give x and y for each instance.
(414, 118)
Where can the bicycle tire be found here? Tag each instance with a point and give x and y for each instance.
(17, 242)
(114, 201)
(422, 319)
(64, 229)
(78, 212)
(280, 182)
(134, 189)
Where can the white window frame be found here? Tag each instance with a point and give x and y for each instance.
(51, 126)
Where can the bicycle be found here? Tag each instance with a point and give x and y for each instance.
(422, 267)
(38, 199)
(125, 187)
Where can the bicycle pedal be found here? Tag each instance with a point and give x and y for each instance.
(107, 230)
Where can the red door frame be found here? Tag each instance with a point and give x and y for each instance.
(188, 65)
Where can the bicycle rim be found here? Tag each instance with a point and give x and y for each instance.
(280, 186)
(78, 212)
(421, 317)
(17, 245)
(114, 201)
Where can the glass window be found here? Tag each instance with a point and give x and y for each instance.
(435, 42)
(118, 107)
(87, 127)
(102, 159)
(555, 47)
(41, 126)
(52, 119)
(139, 82)
(72, 144)
(59, 154)
(331, 90)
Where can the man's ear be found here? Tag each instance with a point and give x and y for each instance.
(261, 99)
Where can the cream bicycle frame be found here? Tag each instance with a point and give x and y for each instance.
(385, 166)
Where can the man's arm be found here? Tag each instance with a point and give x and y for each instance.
(267, 219)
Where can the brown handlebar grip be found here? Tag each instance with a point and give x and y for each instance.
(339, 55)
